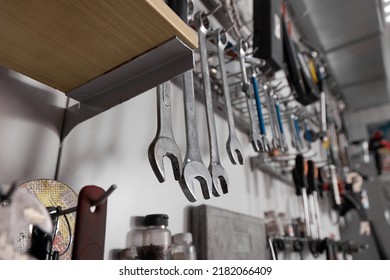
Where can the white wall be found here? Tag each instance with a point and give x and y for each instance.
(31, 116)
(357, 122)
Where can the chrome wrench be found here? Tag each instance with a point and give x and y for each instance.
(218, 173)
(272, 116)
(298, 133)
(254, 136)
(265, 145)
(193, 166)
(282, 138)
(164, 143)
(233, 146)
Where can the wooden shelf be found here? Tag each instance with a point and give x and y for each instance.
(67, 43)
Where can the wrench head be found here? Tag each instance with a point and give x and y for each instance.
(220, 179)
(158, 149)
(234, 150)
(255, 139)
(195, 170)
(266, 145)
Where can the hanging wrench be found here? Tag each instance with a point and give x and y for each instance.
(193, 166)
(265, 145)
(233, 146)
(294, 139)
(164, 143)
(254, 136)
(218, 173)
(282, 138)
(272, 116)
(307, 133)
(298, 133)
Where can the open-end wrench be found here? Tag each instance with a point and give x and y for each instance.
(254, 135)
(194, 168)
(218, 173)
(233, 146)
(272, 117)
(164, 143)
(307, 133)
(324, 125)
(298, 133)
(294, 139)
(282, 138)
(265, 145)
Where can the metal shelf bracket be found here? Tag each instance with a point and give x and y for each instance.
(127, 81)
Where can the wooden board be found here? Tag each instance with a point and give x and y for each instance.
(225, 235)
(66, 43)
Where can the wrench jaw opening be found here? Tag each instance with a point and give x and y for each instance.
(255, 141)
(219, 178)
(234, 151)
(192, 171)
(158, 149)
(266, 145)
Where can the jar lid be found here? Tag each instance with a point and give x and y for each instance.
(185, 237)
(156, 220)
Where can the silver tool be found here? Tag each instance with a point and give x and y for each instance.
(324, 126)
(218, 174)
(194, 168)
(282, 135)
(272, 117)
(265, 145)
(233, 146)
(254, 136)
(164, 143)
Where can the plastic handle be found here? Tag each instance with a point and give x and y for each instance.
(279, 116)
(258, 105)
(301, 169)
(297, 182)
(307, 133)
(311, 176)
(298, 130)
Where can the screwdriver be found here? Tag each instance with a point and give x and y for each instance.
(301, 185)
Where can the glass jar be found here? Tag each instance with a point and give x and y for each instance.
(156, 239)
(182, 248)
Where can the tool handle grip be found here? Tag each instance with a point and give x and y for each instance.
(298, 131)
(307, 133)
(258, 105)
(279, 116)
(297, 182)
(311, 177)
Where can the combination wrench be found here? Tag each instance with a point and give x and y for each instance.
(282, 138)
(193, 166)
(265, 145)
(218, 173)
(254, 136)
(164, 143)
(233, 146)
(272, 116)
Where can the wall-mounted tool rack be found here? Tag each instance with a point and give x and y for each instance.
(224, 15)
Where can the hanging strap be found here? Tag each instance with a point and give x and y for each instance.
(90, 226)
